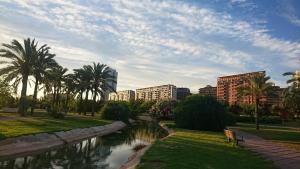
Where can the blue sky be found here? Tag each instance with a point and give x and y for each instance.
(186, 43)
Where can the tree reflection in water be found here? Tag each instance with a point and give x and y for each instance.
(93, 153)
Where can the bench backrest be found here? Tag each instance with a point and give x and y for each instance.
(230, 134)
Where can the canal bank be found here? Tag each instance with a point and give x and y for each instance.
(25, 145)
(109, 152)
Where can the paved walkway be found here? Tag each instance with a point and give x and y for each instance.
(282, 157)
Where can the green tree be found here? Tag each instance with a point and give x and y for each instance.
(257, 87)
(102, 81)
(5, 93)
(18, 66)
(42, 62)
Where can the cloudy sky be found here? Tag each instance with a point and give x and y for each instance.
(153, 42)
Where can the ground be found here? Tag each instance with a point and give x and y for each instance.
(198, 149)
(287, 136)
(12, 125)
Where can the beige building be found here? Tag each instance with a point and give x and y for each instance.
(297, 76)
(125, 95)
(208, 91)
(157, 93)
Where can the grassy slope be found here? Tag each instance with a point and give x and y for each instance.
(285, 136)
(29, 125)
(188, 149)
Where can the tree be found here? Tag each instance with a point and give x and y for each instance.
(295, 79)
(257, 87)
(42, 62)
(55, 78)
(163, 108)
(102, 81)
(201, 113)
(5, 93)
(291, 100)
(19, 62)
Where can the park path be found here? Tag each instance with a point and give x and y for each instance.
(282, 157)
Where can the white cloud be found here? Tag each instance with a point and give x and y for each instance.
(152, 32)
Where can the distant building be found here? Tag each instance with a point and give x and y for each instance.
(157, 93)
(125, 95)
(227, 88)
(297, 75)
(114, 73)
(277, 97)
(182, 93)
(208, 91)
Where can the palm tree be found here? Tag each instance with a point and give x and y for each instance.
(56, 77)
(43, 62)
(257, 87)
(87, 81)
(80, 79)
(102, 81)
(69, 88)
(19, 61)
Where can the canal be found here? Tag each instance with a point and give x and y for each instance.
(108, 152)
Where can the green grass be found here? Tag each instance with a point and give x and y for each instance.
(187, 149)
(31, 125)
(275, 133)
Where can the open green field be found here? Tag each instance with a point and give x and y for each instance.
(14, 125)
(196, 149)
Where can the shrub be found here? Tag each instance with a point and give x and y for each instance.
(115, 111)
(163, 109)
(201, 113)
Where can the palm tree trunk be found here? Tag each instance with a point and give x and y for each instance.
(86, 101)
(22, 106)
(256, 114)
(80, 102)
(94, 103)
(34, 95)
(67, 102)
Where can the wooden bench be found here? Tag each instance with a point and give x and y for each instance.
(232, 137)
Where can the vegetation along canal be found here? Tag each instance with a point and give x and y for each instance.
(108, 152)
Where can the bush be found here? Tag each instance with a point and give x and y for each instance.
(202, 113)
(115, 111)
(163, 109)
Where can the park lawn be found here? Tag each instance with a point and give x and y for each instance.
(289, 137)
(18, 126)
(198, 149)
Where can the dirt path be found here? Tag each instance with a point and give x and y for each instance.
(282, 157)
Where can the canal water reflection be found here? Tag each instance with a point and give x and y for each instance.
(108, 152)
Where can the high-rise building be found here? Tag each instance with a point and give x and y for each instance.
(113, 73)
(276, 97)
(125, 95)
(208, 91)
(297, 75)
(182, 93)
(227, 88)
(157, 93)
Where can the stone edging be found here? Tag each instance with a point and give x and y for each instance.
(25, 145)
(135, 159)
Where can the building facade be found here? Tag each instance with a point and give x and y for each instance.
(208, 91)
(113, 73)
(297, 76)
(157, 93)
(277, 97)
(227, 88)
(125, 95)
(182, 93)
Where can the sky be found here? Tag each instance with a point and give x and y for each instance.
(155, 42)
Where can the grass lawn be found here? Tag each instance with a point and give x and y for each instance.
(187, 149)
(285, 136)
(17, 125)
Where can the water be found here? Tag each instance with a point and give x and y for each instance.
(108, 152)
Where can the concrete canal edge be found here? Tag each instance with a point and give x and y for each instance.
(135, 159)
(25, 145)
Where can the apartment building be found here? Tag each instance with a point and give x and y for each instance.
(157, 93)
(277, 97)
(182, 93)
(208, 91)
(114, 74)
(227, 88)
(125, 95)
